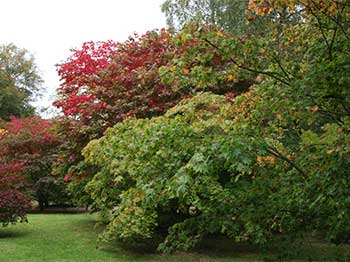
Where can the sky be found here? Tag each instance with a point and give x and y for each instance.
(48, 29)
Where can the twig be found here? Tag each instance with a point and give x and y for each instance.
(271, 74)
(277, 154)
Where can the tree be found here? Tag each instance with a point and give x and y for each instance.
(13, 204)
(31, 144)
(105, 83)
(160, 178)
(20, 82)
(226, 14)
(269, 165)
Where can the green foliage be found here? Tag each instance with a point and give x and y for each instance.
(157, 166)
(215, 173)
(227, 14)
(203, 67)
(266, 164)
(325, 159)
(52, 190)
(19, 82)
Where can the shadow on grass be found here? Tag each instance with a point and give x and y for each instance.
(58, 210)
(216, 247)
(211, 248)
(220, 246)
(8, 233)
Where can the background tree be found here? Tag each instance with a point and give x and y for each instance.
(31, 143)
(20, 82)
(13, 203)
(229, 15)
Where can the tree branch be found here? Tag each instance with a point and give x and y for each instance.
(277, 154)
(274, 75)
(335, 20)
(281, 67)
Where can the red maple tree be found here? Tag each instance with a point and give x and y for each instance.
(27, 149)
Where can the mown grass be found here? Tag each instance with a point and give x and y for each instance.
(73, 237)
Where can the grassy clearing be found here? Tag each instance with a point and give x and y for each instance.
(70, 238)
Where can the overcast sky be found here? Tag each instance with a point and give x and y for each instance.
(50, 28)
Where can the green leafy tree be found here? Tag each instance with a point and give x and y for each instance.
(161, 178)
(20, 82)
(227, 14)
(270, 165)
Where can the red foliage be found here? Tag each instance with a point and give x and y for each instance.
(110, 81)
(81, 70)
(26, 147)
(13, 206)
(10, 175)
(106, 82)
(31, 127)
(25, 143)
(11, 168)
(103, 83)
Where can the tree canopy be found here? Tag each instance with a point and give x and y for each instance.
(29, 146)
(260, 164)
(20, 82)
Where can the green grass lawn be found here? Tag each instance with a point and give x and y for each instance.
(69, 238)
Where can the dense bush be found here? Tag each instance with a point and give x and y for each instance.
(155, 168)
